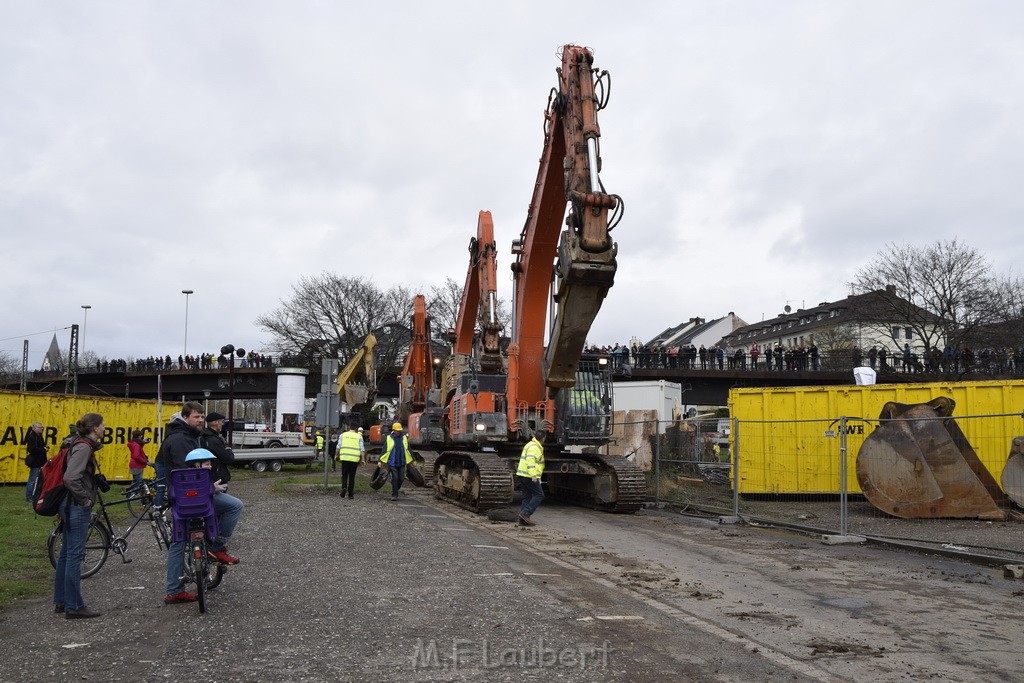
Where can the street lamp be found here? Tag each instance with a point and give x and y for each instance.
(85, 325)
(230, 351)
(186, 292)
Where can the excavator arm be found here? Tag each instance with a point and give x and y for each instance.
(358, 394)
(477, 325)
(582, 255)
(417, 378)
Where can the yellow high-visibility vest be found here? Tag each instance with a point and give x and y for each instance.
(349, 448)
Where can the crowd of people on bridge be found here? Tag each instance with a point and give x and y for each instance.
(203, 361)
(778, 358)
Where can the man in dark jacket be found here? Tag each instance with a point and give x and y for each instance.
(212, 441)
(35, 456)
(181, 436)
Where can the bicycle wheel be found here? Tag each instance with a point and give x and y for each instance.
(200, 569)
(215, 574)
(97, 547)
(161, 532)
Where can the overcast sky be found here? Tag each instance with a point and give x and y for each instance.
(764, 150)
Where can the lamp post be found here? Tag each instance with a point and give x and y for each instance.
(230, 351)
(186, 292)
(85, 325)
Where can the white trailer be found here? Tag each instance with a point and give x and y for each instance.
(266, 439)
(262, 459)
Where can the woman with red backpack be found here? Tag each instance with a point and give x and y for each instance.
(80, 479)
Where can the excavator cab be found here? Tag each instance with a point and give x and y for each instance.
(918, 464)
(584, 410)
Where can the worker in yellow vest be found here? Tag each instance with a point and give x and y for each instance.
(529, 473)
(396, 456)
(318, 444)
(349, 454)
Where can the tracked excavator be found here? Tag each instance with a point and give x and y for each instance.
(491, 401)
(919, 464)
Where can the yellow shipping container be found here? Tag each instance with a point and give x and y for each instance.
(56, 411)
(787, 439)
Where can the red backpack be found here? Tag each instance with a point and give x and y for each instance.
(50, 493)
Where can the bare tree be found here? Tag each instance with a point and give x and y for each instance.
(942, 291)
(444, 303)
(836, 343)
(329, 316)
(10, 367)
(443, 306)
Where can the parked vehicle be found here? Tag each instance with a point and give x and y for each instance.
(266, 439)
(262, 459)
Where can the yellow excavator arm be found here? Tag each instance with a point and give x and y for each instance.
(357, 394)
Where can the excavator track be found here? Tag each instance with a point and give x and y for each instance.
(606, 483)
(475, 481)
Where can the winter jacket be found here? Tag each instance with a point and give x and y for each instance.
(179, 440)
(80, 475)
(214, 442)
(36, 449)
(137, 459)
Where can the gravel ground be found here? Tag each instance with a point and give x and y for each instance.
(332, 589)
(372, 590)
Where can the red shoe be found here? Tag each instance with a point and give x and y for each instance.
(222, 556)
(177, 598)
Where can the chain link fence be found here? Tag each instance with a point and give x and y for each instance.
(804, 474)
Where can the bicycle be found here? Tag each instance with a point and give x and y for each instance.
(194, 520)
(104, 537)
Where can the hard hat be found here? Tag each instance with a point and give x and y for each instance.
(199, 454)
(360, 429)
(397, 427)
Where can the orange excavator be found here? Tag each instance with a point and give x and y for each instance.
(493, 401)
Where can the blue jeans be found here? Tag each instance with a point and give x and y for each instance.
(33, 474)
(533, 494)
(175, 567)
(397, 477)
(228, 509)
(67, 582)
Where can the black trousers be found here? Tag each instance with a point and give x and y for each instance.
(348, 476)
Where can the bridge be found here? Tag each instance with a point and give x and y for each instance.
(174, 384)
(700, 386)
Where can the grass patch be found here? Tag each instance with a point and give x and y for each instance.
(25, 569)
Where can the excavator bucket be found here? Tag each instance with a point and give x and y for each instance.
(1012, 478)
(918, 464)
(356, 394)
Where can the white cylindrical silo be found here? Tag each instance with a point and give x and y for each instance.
(291, 396)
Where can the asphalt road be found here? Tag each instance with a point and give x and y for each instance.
(372, 590)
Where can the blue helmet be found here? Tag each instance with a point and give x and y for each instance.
(199, 454)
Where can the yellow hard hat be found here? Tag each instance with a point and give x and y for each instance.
(397, 427)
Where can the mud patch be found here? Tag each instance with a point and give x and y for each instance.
(786, 620)
(826, 648)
